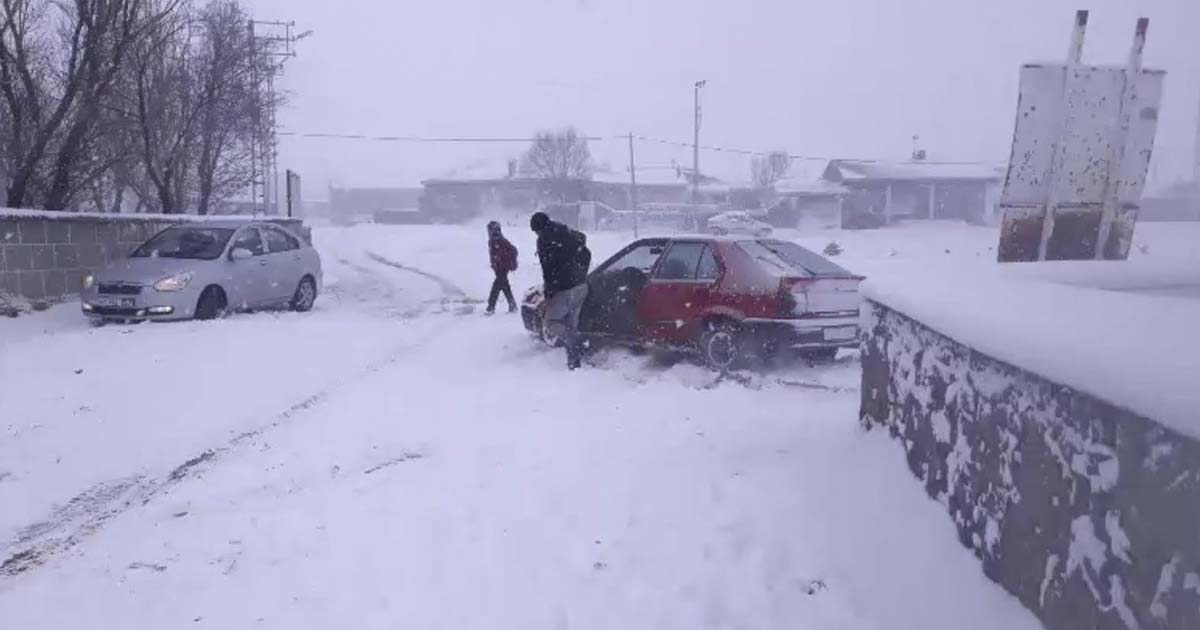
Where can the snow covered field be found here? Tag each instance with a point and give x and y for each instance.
(395, 459)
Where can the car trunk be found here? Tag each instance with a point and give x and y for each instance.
(823, 297)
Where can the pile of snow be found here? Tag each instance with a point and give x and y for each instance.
(1124, 332)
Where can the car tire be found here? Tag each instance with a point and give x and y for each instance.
(721, 346)
(305, 295)
(819, 355)
(548, 337)
(211, 305)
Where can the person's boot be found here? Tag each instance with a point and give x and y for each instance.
(512, 307)
(574, 358)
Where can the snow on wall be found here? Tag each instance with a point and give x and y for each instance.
(1105, 328)
(1086, 512)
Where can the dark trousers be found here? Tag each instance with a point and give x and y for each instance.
(498, 285)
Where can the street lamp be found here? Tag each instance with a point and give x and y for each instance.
(696, 145)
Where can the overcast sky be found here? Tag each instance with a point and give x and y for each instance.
(845, 78)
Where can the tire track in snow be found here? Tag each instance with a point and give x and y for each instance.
(451, 292)
(73, 523)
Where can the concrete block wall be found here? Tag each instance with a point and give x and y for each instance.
(45, 255)
(1088, 513)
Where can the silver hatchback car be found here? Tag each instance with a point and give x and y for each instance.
(201, 270)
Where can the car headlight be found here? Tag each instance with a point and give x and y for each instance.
(176, 282)
(89, 281)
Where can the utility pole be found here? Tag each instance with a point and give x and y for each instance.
(1196, 156)
(633, 200)
(256, 110)
(272, 43)
(696, 145)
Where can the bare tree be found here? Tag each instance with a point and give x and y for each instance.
(559, 156)
(59, 62)
(767, 170)
(230, 104)
(100, 99)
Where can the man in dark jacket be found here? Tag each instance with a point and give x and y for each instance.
(503, 255)
(565, 261)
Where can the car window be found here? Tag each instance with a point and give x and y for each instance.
(708, 268)
(250, 239)
(781, 258)
(278, 240)
(681, 262)
(811, 261)
(641, 258)
(185, 242)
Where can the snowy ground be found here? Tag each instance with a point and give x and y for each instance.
(393, 458)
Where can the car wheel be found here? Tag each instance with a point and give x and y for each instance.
(211, 305)
(721, 346)
(305, 296)
(549, 337)
(819, 355)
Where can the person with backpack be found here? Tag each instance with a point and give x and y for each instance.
(565, 261)
(503, 256)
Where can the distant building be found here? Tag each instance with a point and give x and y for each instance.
(503, 192)
(807, 204)
(880, 193)
(345, 203)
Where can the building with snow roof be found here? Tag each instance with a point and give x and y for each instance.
(880, 193)
(807, 204)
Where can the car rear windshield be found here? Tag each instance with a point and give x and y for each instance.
(196, 243)
(784, 258)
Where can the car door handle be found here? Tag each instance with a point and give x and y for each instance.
(262, 263)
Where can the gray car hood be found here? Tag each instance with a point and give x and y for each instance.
(147, 270)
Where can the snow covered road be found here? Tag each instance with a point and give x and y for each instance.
(393, 459)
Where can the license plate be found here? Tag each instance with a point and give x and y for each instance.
(845, 333)
(116, 302)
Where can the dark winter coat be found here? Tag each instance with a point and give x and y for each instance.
(503, 254)
(564, 256)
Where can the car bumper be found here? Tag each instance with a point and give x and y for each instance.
(839, 332)
(148, 305)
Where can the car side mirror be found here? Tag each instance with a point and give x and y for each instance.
(240, 253)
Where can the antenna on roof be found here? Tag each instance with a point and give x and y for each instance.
(918, 155)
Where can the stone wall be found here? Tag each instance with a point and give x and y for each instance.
(45, 255)
(1087, 513)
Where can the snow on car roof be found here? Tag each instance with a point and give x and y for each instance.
(1124, 332)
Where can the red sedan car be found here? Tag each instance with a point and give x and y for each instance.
(726, 298)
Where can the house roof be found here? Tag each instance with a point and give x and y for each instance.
(805, 186)
(864, 170)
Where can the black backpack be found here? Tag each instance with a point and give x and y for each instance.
(583, 255)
